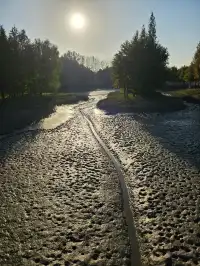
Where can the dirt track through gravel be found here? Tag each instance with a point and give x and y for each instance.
(161, 161)
(60, 201)
(135, 252)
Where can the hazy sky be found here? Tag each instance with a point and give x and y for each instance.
(110, 22)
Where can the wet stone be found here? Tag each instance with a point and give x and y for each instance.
(52, 184)
(161, 159)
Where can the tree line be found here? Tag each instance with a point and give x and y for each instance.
(141, 64)
(26, 66)
(83, 72)
(188, 74)
(35, 67)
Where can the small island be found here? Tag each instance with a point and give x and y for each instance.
(140, 69)
(116, 103)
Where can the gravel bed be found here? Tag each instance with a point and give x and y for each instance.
(60, 201)
(160, 155)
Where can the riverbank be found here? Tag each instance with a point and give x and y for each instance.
(115, 103)
(188, 95)
(18, 113)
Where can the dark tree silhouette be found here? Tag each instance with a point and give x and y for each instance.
(141, 64)
(34, 67)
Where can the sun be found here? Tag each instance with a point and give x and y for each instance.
(77, 21)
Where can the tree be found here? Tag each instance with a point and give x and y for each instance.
(173, 74)
(15, 61)
(182, 72)
(152, 28)
(141, 63)
(119, 72)
(83, 72)
(135, 37)
(23, 61)
(34, 67)
(103, 78)
(189, 74)
(74, 74)
(196, 63)
(27, 67)
(48, 63)
(4, 63)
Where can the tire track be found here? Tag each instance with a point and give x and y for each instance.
(135, 252)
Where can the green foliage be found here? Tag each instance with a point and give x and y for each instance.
(152, 28)
(173, 74)
(4, 62)
(34, 67)
(189, 73)
(196, 63)
(193, 93)
(140, 65)
(27, 67)
(183, 74)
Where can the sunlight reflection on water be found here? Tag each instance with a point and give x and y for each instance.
(98, 111)
(61, 115)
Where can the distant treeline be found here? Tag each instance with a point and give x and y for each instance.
(35, 67)
(186, 76)
(83, 72)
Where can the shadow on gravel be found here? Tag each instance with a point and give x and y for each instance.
(179, 132)
(15, 115)
(18, 113)
(18, 141)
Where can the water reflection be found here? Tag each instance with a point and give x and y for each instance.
(61, 115)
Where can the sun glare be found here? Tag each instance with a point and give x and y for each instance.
(77, 21)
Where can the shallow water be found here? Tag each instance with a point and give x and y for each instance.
(62, 114)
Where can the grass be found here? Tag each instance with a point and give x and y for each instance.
(194, 93)
(66, 98)
(115, 103)
(70, 98)
(119, 96)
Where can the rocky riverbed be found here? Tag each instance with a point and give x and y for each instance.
(160, 155)
(60, 200)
